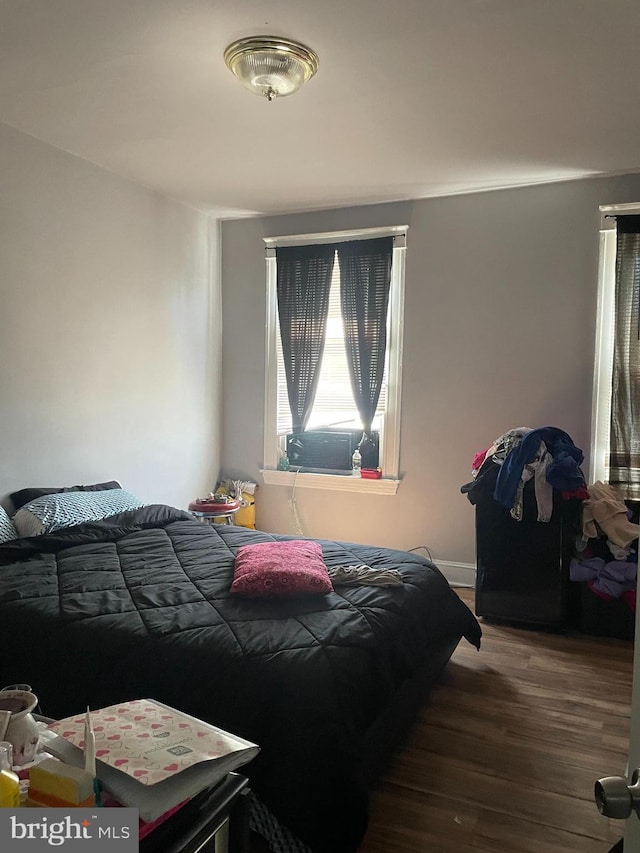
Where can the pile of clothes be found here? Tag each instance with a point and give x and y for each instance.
(546, 455)
(606, 537)
(607, 552)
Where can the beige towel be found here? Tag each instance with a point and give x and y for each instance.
(606, 508)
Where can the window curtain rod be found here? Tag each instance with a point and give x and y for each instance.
(397, 232)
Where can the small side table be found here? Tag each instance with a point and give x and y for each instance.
(209, 512)
(216, 821)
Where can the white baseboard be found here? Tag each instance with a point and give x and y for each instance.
(458, 574)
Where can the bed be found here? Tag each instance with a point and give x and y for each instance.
(138, 604)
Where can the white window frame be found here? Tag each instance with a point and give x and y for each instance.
(605, 331)
(390, 461)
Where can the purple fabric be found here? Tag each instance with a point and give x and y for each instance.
(622, 571)
(585, 570)
(612, 578)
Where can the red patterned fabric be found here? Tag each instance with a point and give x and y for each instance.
(280, 569)
(203, 505)
(478, 459)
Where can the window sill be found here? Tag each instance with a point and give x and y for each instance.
(332, 482)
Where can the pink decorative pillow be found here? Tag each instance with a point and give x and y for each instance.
(280, 569)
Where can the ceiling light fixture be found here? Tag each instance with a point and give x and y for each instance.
(271, 66)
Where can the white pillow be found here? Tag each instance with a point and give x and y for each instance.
(7, 529)
(53, 512)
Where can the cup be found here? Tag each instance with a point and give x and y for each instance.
(26, 687)
(6, 755)
(22, 732)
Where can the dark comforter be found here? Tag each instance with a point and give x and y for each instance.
(139, 606)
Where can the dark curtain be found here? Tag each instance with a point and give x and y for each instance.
(365, 278)
(624, 458)
(303, 284)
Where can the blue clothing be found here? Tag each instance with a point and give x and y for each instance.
(563, 472)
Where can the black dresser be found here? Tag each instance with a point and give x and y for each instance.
(523, 566)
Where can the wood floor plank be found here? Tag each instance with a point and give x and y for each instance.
(546, 770)
(504, 755)
(495, 833)
(482, 790)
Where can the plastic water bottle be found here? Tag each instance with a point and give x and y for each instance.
(356, 463)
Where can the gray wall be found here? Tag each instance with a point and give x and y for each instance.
(109, 330)
(499, 329)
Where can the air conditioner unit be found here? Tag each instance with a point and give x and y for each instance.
(324, 451)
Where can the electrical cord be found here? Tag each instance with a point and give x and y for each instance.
(424, 548)
(453, 585)
(293, 506)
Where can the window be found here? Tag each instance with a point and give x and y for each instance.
(615, 450)
(334, 404)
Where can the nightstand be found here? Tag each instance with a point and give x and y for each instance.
(215, 821)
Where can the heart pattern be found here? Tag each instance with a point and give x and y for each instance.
(117, 733)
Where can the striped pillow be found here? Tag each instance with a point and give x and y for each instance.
(7, 529)
(54, 512)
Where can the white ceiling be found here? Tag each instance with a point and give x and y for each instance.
(412, 98)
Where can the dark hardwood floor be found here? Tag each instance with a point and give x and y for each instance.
(505, 754)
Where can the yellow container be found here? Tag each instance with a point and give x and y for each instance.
(9, 790)
(246, 515)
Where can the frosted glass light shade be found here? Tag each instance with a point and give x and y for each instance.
(270, 66)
